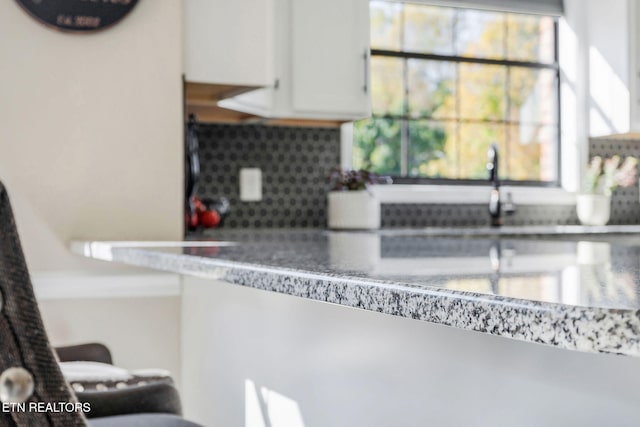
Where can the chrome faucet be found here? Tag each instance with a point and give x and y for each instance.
(495, 208)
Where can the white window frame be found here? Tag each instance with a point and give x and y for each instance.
(573, 144)
(455, 194)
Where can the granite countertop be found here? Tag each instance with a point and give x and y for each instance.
(572, 292)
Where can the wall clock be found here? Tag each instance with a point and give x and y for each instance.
(78, 16)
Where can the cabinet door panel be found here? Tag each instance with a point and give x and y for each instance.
(329, 49)
(229, 41)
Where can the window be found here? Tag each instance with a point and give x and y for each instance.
(447, 82)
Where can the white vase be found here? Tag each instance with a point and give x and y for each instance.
(355, 210)
(593, 209)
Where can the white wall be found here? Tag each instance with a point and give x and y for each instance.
(78, 308)
(596, 83)
(337, 366)
(609, 67)
(91, 131)
(151, 325)
(597, 57)
(574, 92)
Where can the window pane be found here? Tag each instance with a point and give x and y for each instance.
(428, 29)
(482, 91)
(475, 140)
(386, 22)
(480, 34)
(387, 93)
(531, 38)
(432, 149)
(436, 119)
(377, 145)
(431, 88)
(532, 95)
(532, 153)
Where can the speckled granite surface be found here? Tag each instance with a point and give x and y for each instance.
(572, 294)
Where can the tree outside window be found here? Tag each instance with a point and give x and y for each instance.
(447, 82)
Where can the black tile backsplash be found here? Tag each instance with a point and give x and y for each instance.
(625, 202)
(296, 161)
(450, 215)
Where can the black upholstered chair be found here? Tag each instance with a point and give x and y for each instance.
(30, 377)
(94, 352)
(88, 368)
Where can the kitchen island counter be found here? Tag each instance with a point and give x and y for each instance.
(578, 295)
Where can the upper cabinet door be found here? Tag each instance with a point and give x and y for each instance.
(229, 42)
(330, 57)
(320, 63)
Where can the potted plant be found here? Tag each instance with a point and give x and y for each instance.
(593, 206)
(351, 204)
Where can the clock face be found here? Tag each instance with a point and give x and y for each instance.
(78, 16)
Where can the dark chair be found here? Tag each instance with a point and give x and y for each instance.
(148, 393)
(94, 352)
(29, 372)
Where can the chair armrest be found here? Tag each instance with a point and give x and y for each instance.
(90, 352)
(149, 398)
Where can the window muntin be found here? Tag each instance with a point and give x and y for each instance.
(447, 82)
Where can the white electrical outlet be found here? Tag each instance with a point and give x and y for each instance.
(250, 184)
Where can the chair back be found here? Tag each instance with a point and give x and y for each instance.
(33, 391)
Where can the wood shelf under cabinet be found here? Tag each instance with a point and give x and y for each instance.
(210, 94)
(202, 99)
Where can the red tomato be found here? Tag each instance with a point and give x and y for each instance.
(200, 207)
(193, 221)
(209, 219)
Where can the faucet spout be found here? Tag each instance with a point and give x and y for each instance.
(494, 200)
(492, 165)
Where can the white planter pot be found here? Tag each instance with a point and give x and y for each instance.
(359, 210)
(593, 209)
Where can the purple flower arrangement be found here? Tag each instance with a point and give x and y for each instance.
(354, 180)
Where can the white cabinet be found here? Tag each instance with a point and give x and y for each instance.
(329, 56)
(321, 63)
(227, 42)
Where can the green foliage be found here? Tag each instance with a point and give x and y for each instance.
(427, 144)
(452, 113)
(377, 145)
